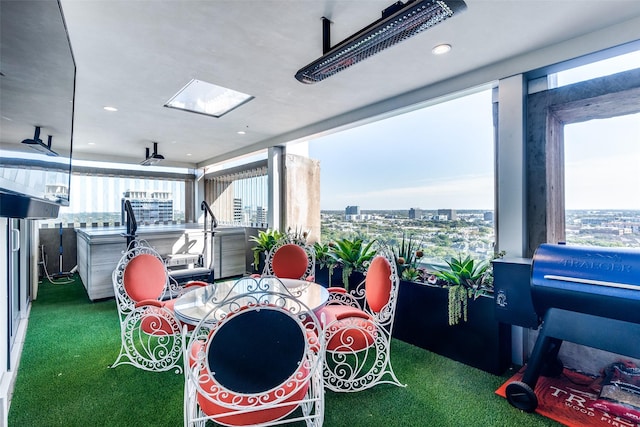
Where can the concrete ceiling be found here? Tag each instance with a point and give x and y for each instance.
(135, 55)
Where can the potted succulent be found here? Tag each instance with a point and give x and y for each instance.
(466, 278)
(351, 255)
(407, 255)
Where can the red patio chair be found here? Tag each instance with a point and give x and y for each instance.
(150, 333)
(255, 360)
(357, 327)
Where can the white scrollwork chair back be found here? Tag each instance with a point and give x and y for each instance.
(291, 260)
(254, 359)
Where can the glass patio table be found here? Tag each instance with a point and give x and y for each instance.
(194, 305)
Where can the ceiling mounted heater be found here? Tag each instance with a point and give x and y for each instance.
(399, 22)
(37, 144)
(152, 158)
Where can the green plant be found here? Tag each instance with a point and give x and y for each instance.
(466, 278)
(352, 255)
(458, 304)
(264, 241)
(466, 272)
(323, 258)
(411, 274)
(406, 256)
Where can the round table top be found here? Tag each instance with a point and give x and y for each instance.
(194, 305)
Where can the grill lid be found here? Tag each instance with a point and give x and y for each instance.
(593, 280)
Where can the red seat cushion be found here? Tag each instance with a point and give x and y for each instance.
(290, 262)
(144, 278)
(169, 304)
(154, 321)
(255, 417)
(378, 283)
(350, 329)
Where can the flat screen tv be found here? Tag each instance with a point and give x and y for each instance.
(37, 86)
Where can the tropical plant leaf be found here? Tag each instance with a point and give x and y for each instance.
(322, 255)
(352, 255)
(264, 241)
(466, 278)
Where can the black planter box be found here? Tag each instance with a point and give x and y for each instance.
(322, 277)
(422, 319)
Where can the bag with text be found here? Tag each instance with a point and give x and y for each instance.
(620, 393)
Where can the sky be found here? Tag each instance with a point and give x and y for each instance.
(441, 157)
(602, 164)
(438, 157)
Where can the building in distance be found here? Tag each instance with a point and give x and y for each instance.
(352, 210)
(450, 214)
(415, 213)
(352, 213)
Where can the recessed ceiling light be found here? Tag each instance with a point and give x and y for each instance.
(188, 154)
(91, 143)
(441, 49)
(208, 99)
(107, 108)
(241, 132)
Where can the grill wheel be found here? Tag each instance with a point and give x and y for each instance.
(521, 396)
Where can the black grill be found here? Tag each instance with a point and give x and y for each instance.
(586, 295)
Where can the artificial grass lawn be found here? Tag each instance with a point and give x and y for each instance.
(64, 379)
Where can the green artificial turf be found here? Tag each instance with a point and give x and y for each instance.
(64, 379)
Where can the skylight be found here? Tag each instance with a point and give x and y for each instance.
(208, 99)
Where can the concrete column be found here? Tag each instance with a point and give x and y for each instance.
(510, 167)
(302, 195)
(510, 212)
